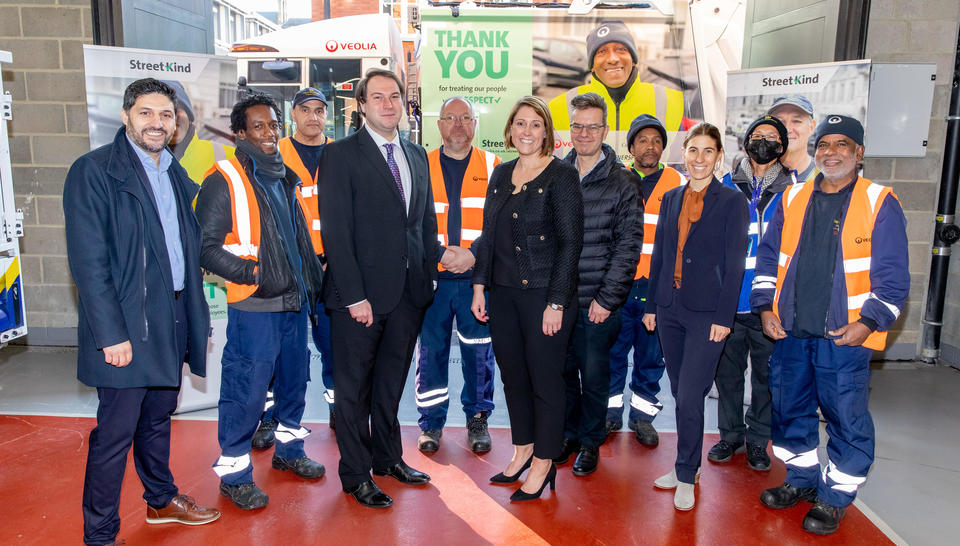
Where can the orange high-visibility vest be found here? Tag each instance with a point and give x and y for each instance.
(244, 240)
(855, 244)
(669, 179)
(473, 192)
(307, 191)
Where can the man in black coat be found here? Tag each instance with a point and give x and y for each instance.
(255, 236)
(134, 253)
(612, 235)
(380, 236)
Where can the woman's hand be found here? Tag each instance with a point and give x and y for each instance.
(718, 333)
(479, 304)
(552, 320)
(650, 321)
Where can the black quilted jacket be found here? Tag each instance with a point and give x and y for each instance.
(548, 230)
(612, 232)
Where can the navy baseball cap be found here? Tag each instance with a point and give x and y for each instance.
(307, 94)
(642, 122)
(799, 101)
(840, 125)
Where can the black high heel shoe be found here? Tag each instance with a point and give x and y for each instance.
(521, 495)
(503, 478)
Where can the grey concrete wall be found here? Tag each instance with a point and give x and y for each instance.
(48, 132)
(912, 31)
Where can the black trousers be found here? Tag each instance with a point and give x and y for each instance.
(691, 360)
(531, 366)
(587, 376)
(372, 366)
(133, 416)
(746, 338)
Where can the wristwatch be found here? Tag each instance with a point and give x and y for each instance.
(556, 307)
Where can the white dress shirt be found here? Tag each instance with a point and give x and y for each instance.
(399, 157)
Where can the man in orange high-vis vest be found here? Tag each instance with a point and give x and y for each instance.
(458, 174)
(647, 138)
(831, 277)
(302, 153)
(255, 236)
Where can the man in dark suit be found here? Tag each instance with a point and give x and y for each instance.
(133, 245)
(379, 231)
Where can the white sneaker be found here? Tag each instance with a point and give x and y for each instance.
(669, 480)
(683, 498)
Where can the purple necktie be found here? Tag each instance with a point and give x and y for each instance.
(395, 170)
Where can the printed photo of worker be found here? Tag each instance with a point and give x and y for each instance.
(800, 97)
(639, 65)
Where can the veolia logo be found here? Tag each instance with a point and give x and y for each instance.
(836, 119)
(603, 31)
(860, 240)
(331, 45)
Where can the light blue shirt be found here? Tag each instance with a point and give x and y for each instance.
(399, 157)
(166, 202)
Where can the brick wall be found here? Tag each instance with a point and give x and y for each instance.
(48, 132)
(912, 31)
(343, 8)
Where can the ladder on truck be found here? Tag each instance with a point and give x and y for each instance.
(13, 320)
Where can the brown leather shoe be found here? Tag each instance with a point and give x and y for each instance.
(182, 509)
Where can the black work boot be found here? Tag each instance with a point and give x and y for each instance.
(246, 496)
(429, 440)
(787, 496)
(823, 518)
(264, 437)
(478, 435)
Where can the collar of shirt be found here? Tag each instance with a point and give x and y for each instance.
(378, 138)
(633, 166)
(595, 165)
(849, 187)
(166, 158)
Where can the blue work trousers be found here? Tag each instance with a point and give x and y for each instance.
(810, 372)
(647, 361)
(321, 340)
(451, 300)
(259, 344)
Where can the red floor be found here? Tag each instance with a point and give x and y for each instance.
(42, 477)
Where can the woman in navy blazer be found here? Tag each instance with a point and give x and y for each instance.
(694, 298)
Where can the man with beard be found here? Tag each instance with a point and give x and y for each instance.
(458, 174)
(132, 245)
(832, 276)
(256, 237)
(302, 153)
(796, 113)
(613, 60)
(762, 180)
(612, 235)
(647, 137)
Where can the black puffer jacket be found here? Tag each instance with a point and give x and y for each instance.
(548, 230)
(612, 232)
(277, 284)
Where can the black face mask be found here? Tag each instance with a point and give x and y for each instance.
(763, 151)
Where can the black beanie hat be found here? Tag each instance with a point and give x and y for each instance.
(610, 31)
(776, 124)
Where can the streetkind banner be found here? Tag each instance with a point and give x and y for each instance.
(495, 56)
(801, 96)
(482, 56)
(206, 91)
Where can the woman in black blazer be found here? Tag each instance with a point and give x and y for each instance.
(695, 275)
(527, 257)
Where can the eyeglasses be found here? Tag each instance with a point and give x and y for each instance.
(768, 138)
(578, 128)
(464, 119)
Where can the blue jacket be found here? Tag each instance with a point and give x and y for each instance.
(889, 272)
(759, 220)
(119, 262)
(712, 256)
